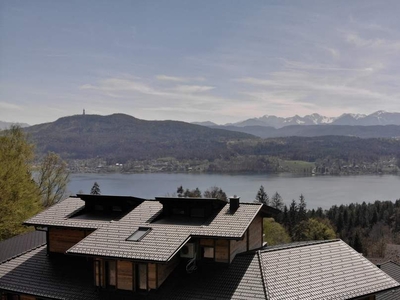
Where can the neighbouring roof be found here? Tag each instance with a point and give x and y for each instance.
(20, 244)
(320, 270)
(164, 239)
(61, 277)
(393, 270)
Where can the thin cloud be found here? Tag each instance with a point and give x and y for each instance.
(10, 106)
(358, 41)
(179, 79)
(192, 88)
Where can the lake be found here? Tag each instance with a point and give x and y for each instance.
(319, 191)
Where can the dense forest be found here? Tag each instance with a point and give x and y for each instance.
(367, 227)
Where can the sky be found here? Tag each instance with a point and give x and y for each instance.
(219, 61)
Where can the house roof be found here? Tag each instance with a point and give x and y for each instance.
(320, 270)
(20, 244)
(313, 270)
(59, 215)
(393, 270)
(35, 273)
(164, 239)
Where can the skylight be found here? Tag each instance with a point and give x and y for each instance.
(139, 234)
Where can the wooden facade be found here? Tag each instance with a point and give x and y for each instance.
(255, 233)
(131, 276)
(61, 239)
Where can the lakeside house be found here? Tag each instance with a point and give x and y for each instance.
(113, 247)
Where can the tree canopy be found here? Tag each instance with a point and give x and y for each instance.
(19, 196)
(274, 233)
(52, 179)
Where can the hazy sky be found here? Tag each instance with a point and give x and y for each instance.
(223, 61)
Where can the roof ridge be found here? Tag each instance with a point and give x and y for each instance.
(22, 253)
(296, 245)
(263, 278)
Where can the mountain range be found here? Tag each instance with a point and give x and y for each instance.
(376, 118)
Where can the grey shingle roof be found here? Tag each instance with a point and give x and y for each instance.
(324, 270)
(34, 273)
(241, 280)
(58, 215)
(312, 270)
(393, 270)
(20, 244)
(164, 239)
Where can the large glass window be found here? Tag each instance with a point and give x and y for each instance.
(111, 278)
(141, 275)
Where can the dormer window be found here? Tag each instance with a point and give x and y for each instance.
(98, 207)
(116, 208)
(139, 234)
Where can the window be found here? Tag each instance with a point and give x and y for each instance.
(111, 273)
(208, 252)
(141, 276)
(139, 234)
(98, 207)
(178, 211)
(116, 208)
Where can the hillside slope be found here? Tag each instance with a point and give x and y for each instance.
(121, 137)
(376, 131)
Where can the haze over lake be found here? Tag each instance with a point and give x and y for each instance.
(323, 191)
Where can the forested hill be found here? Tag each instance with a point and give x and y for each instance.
(376, 131)
(121, 137)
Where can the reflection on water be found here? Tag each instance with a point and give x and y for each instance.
(323, 191)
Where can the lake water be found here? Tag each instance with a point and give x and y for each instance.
(323, 191)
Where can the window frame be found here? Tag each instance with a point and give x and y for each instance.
(143, 230)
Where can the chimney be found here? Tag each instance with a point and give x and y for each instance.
(234, 203)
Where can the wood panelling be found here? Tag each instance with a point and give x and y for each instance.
(255, 233)
(152, 273)
(26, 297)
(61, 239)
(222, 251)
(163, 270)
(125, 275)
(207, 242)
(238, 247)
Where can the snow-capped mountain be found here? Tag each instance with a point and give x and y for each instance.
(376, 118)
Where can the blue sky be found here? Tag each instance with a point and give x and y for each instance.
(223, 61)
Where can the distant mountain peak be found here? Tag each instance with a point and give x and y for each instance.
(379, 112)
(380, 117)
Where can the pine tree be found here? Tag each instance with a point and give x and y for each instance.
(302, 215)
(95, 189)
(357, 244)
(262, 196)
(180, 191)
(277, 201)
(293, 216)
